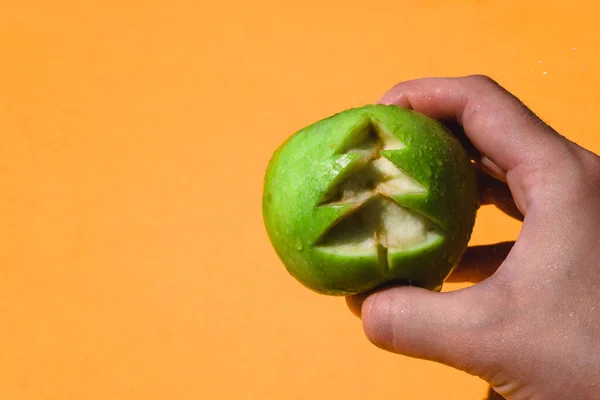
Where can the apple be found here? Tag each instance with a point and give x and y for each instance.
(370, 196)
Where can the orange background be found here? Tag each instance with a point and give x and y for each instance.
(133, 141)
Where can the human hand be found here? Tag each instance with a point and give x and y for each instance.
(530, 327)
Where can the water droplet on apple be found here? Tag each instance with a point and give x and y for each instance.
(299, 245)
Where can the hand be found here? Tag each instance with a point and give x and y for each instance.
(531, 326)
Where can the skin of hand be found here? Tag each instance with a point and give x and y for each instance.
(530, 325)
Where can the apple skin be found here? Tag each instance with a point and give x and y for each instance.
(303, 168)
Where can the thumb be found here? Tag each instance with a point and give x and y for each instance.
(452, 328)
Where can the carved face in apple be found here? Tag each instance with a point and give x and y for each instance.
(370, 196)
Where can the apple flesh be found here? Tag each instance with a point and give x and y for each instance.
(370, 196)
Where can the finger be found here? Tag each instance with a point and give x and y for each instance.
(480, 161)
(493, 191)
(355, 303)
(458, 131)
(497, 123)
(480, 262)
(477, 264)
(490, 167)
(491, 178)
(450, 328)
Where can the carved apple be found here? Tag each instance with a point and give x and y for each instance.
(370, 196)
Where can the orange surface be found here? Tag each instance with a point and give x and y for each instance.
(133, 142)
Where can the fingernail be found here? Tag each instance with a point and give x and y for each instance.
(355, 303)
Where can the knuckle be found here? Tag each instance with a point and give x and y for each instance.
(592, 164)
(582, 165)
(398, 85)
(590, 173)
(480, 79)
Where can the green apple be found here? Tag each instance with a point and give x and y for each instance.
(370, 196)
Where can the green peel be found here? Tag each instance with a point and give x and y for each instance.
(370, 196)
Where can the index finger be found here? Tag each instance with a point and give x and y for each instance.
(498, 124)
